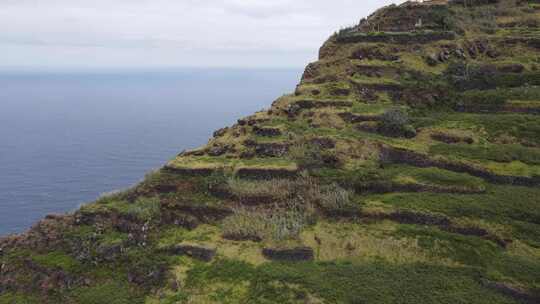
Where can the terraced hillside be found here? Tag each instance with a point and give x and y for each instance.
(405, 168)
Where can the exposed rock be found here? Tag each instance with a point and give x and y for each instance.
(221, 132)
(323, 142)
(271, 149)
(289, 254)
(374, 53)
(193, 251)
(310, 72)
(451, 139)
(356, 118)
(218, 150)
(409, 217)
(267, 131)
(412, 158)
(266, 173)
(513, 292)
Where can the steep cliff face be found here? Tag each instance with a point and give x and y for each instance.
(404, 168)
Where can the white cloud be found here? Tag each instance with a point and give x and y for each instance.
(138, 33)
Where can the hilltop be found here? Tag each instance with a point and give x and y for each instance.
(404, 168)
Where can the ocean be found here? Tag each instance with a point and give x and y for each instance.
(67, 137)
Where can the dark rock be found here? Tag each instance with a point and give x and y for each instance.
(356, 118)
(190, 171)
(511, 68)
(432, 59)
(290, 254)
(340, 92)
(451, 139)
(192, 251)
(323, 142)
(310, 72)
(262, 173)
(266, 131)
(248, 154)
(109, 253)
(242, 238)
(187, 221)
(398, 38)
(444, 56)
(409, 217)
(293, 110)
(374, 53)
(399, 155)
(513, 292)
(220, 132)
(271, 149)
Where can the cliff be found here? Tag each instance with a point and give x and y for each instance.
(404, 168)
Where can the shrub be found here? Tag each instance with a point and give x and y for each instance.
(308, 156)
(395, 122)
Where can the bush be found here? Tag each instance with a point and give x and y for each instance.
(395, 122)
(308, 156)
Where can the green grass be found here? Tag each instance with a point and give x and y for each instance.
(428, 176)
(497, 153)
(349, 282)
(435, 176)
(468, 250)
(525, 128)
(110, 292)
(515, 207)
(16, 298)
(57, 260)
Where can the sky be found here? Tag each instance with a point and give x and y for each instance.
(94, 34)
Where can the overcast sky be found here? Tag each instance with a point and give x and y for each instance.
(170, 33)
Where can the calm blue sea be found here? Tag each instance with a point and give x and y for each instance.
(67, 137)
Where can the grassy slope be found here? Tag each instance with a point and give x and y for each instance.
(341, 197)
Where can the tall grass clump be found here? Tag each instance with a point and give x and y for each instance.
(277, 189)
(144, 208)
(282, 223)
(245, 225)
(333, 198)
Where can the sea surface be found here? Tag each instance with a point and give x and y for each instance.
(67, 137)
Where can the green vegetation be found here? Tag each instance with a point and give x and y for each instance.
(111, 292)
(404, 168)
(498, 153)
(396, 122)
(57, 260)
(349, 282)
